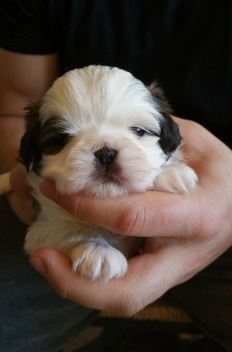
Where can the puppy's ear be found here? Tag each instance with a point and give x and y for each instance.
(169, 131)
(30, 152)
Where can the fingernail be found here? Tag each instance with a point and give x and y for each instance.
(39, 265)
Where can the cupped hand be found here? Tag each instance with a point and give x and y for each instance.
(195, 229)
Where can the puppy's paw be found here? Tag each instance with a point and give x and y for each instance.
(176, 178)
(98, 261)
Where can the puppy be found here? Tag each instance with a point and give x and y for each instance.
(99, 130)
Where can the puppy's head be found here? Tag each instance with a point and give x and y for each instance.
(99, 130)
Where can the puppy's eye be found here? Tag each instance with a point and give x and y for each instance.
(53, 143)
(138, 131)
(53, 136)
(141, 131)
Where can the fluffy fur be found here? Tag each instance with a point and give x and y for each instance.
(101, 131)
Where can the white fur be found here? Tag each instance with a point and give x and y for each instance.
(98, 106)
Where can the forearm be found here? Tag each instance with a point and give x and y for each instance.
(23, 80)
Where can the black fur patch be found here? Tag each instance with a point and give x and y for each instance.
(30, 153)
(53, 137)
(170, 137)
(39, 139)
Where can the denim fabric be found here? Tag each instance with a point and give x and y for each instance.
(32, 317)
(207, 298)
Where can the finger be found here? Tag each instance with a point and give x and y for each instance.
(57, 269)
(24, 211)
(147, 214)
(149, 276)
(123, 296)
(18, 180)
(20, 197)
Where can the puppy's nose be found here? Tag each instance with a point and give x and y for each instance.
(106, 155)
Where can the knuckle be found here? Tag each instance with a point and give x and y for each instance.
(77, 205)
(73, 204)
(131, 220)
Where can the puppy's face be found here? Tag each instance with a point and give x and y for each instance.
(99, 130)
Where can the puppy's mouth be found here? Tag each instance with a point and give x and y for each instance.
(108, 174)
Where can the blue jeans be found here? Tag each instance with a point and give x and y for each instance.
(32, 316)
(207, 298)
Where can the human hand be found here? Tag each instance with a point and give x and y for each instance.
(19, 197)
(197, 227)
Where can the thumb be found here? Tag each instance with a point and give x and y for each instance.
(51, 264)
(57, 269)
(146, 214)
(48, 260)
